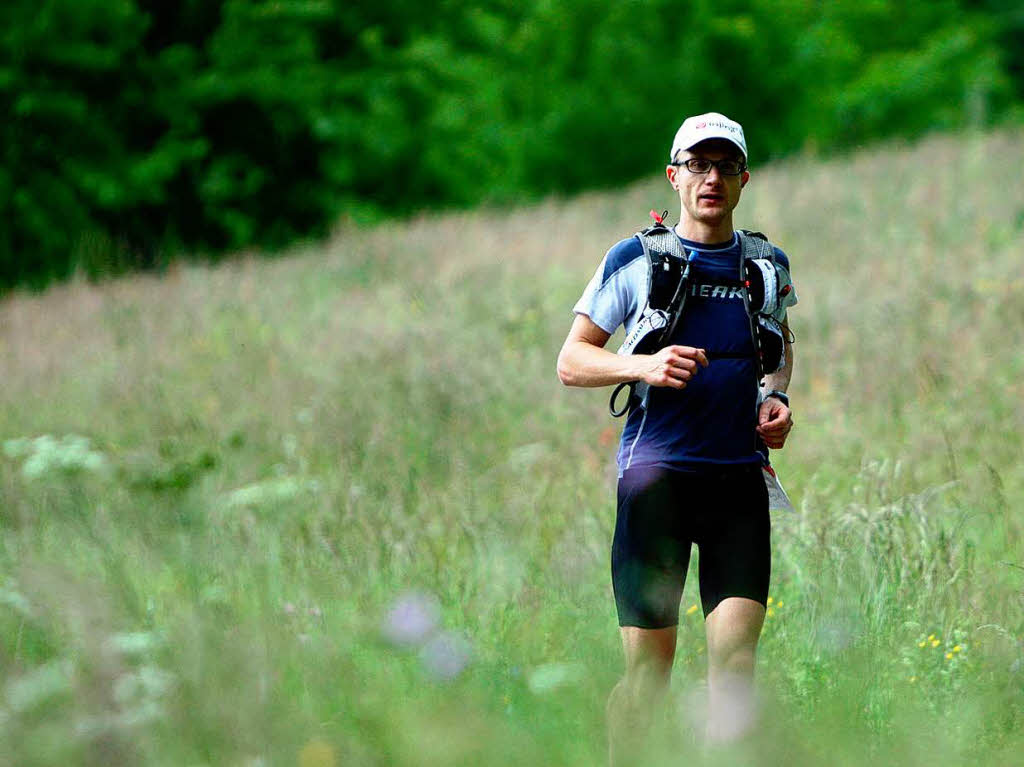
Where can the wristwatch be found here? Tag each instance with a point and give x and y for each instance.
(781, 396)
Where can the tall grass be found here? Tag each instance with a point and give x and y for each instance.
(336, 508)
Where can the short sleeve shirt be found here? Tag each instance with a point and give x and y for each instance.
(713, 420)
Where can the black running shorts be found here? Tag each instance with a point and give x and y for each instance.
(662, 512)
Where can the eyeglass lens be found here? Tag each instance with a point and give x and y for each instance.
(702, 165)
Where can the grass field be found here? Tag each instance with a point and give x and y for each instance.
(336, 509)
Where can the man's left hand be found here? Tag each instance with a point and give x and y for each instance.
(774, 420)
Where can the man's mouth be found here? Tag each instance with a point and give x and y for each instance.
(712, 197)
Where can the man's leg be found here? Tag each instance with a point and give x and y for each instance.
(735, 569)
(733, 629)
(635, 699)
(650, 555)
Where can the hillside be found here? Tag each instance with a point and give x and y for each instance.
(277, 450)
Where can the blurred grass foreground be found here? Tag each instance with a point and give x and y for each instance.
(336, 509)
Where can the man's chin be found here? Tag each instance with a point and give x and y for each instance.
(712, 217)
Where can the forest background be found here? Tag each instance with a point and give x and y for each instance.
(140, 131)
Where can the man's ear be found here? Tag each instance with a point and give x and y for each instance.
(744, 178)
(670, 173)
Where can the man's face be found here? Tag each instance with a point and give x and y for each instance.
(708, 197)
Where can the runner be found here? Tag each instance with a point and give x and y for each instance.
(692, 450)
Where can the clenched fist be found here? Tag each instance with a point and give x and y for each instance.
(673, 366)
(774, 422)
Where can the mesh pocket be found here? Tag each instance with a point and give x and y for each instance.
(771, 343)
(762, 285)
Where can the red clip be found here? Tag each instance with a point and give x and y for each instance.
(656, 216)
(785, 290)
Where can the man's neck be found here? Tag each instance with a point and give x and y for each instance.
(707, 234)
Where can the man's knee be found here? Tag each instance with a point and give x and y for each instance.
(733, 629)
(648, 651)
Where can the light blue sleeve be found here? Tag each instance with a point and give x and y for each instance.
(610, 298)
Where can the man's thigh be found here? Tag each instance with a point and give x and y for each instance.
(651, 548)
(734, 539)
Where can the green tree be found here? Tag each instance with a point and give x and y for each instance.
(140, 130)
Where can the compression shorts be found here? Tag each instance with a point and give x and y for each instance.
(661, 513)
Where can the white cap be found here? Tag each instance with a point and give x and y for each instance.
(707, 126)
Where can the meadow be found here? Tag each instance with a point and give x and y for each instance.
(335, 508)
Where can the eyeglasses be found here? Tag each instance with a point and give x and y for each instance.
(700, 165)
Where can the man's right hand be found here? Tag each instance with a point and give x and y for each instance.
(583, 361)
(673, 366)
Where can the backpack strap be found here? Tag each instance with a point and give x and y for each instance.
(668, 270)
(666, 262)
(755, 245)
(660, 239)
(750, 249)
(756, 249)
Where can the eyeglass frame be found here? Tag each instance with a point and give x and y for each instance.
(742, 166)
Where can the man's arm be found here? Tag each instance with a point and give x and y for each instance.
(774, 418)
(583, 360)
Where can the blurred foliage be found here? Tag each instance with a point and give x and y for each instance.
(141, 129)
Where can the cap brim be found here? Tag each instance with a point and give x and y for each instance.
(729, 139)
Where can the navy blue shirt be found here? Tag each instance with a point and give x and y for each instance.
(713, 420)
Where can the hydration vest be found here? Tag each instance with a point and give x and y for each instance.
(765, 287)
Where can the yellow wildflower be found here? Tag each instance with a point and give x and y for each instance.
(949, 656)
(931, 637)
(771, 611)
(691, 609)
(922, 643)
(770, 600)
(935, 643)
(956, 648)
(913, 679)
(317, 753)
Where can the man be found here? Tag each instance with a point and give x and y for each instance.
(690, 460)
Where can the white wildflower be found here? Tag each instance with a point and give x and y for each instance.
(29, 690)
(273, 491)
